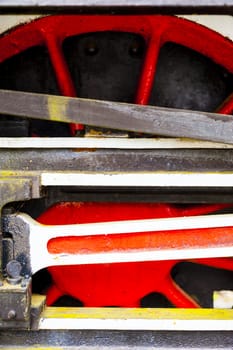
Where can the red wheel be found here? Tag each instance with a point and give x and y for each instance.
(122, 284)
(116, 284)
(51, 33)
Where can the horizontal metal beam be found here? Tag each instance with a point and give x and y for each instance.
(116, 160)
(122, 328)
(116, 3)
(171, 179)
(191, 165)
(133, 179)
(108, 143)
(117, 328)
(112, 340)
(137, 319)
(123, 3)
(198, 168)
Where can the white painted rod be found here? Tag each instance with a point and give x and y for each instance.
(138, 179)
(48, 232)
(108, 143)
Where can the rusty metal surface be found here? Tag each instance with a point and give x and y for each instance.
(21, 162)
(112, 340)
(93, 160)
(20, 233)
(16, 189)
(15, 291)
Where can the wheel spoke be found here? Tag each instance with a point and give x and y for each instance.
(53, 294)
(148, 71)
(177, 296)
(227, 106)
(62, 73)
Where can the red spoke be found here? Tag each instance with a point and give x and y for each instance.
(64, 80)
(177, 296)
(227, 106)
(148, 72)
(62, 73)
(53, 294)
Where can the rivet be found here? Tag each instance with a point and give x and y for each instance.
(11, 314)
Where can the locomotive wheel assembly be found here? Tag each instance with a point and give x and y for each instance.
(124, 284)
(159, 60)
(142, 67)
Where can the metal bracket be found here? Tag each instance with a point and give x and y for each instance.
(20, 237)
(15, 303)
(15, 290)
(16, 188)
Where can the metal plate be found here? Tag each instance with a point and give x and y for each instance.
(186, 6)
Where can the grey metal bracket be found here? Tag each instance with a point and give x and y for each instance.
(16, 188)
(15, 289)
(19, 231)
(15, 300)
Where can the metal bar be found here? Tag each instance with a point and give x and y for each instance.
(122, 241)
(117, 161)
(137, 319)
(130, 117)
(108, 143)
(112, 340)
(142, 180)
(47, 232)
(137, 179)
(117, 3)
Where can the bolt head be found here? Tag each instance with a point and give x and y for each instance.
(11, 314)
(13, 269)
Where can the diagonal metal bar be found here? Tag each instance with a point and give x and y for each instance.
(122, 116)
